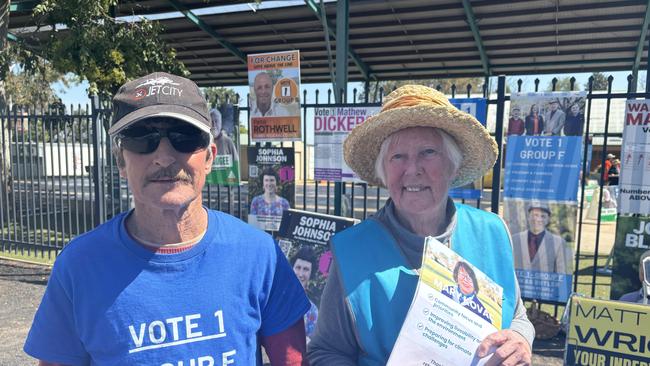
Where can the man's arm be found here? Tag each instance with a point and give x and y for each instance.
(287, 347)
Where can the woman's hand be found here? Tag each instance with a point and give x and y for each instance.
(509, 347)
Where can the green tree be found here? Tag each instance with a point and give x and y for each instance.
(95, 46)
(563, 84)
(600, 82)
(219, 95)
(444, 84)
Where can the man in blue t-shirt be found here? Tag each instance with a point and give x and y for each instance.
(170, 282)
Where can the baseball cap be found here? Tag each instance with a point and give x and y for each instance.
(610, 156)
(159, 95)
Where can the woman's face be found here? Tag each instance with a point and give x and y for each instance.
(465, 282)
(418, 172)
(575, 109)
(270, 184)
(535, 109)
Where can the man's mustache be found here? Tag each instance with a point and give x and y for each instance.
(169, 173)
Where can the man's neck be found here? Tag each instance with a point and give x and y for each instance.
(153, 225)
(263, 108)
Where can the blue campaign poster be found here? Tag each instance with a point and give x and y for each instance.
(543, 167)
(477, 107)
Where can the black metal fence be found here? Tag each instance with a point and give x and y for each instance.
(58, 178)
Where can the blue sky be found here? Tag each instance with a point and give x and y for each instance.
(77, 94)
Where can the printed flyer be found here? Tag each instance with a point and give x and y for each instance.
(274, 80)
(331, 127)
(271, 185)
(632, 240)
(454, 308)
(607, 333)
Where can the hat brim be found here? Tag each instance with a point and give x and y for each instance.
(479, 149)
(161, 110)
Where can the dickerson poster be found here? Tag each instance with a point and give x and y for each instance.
(542, 171)
(607, 333)
(274, 80)
(331, 127)
(271, 185)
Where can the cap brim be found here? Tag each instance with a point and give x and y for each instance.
(161, 110)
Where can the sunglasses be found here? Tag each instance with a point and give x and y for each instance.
(184, 138)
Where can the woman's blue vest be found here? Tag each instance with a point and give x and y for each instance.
(379, 285)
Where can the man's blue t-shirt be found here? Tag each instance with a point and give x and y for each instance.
(110, 301)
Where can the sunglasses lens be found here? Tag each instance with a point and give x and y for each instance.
(184, 138)
(140, 140)
(188, 139)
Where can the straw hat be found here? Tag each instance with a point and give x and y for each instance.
(420, 106)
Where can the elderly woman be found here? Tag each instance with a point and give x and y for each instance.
(419, 146)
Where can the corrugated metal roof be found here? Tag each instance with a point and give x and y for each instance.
(410, 38)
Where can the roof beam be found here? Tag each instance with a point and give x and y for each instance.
(365, 69)
(639, 46)
(471, 20)
(209, 30)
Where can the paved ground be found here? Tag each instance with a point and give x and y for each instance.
(22, 286)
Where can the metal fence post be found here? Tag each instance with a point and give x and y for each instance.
(498, 134)
(99, 208)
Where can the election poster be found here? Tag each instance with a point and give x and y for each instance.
(542, 172)
(454, 308)
(477, 107)
(632, 240)
(304, 238)
(271, 185)
(274, 80)
(543, 237)
(634, 182)
(331, 127)
(225, 130)
(607, 333)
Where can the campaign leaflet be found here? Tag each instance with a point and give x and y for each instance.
(271, 185)
(274, 80)
(225, 166)
(305, 236)
(448, 318)
(331, 127)
(632, 240)
(634, 192)
(477, 107)
(603, 332)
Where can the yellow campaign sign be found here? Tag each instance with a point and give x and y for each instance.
(608, 333)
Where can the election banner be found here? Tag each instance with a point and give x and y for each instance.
(225, 166)
(477, 107)
(543, 237)
(455, 307)
(274, 80)
(632, 240)
(271, 185)
(607, 333)
(542, 172)
(304, 238)
(634, 182)
(331, 127)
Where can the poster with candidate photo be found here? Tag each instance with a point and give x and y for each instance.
(304, 238)
(225, 131)
(543, 237)
(274, 80)
(271, 185)
(477, 107)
